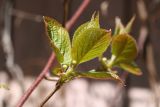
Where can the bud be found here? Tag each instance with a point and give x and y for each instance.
(104, 59)
(74, 62)
(64, 66)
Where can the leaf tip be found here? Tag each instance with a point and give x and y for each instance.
(139, 73)
(95, 16)
(45, 19)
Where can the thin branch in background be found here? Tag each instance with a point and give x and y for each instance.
(12, 67)
(152, 74)
(25, 15)
(104, 7)
(52, 57)
(143, 15)
(142, 10)
(150, 62)
(142, 38)
(21, 15)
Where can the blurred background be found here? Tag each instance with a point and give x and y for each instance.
(25, 49)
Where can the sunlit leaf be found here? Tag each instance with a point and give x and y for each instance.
(59, 39)
(123, 48)
(131, 68)
(90, 44)
(99, 75)
(93, 23)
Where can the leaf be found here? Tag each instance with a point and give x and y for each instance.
(90, 44)
(131, 68)
(93, 23)
(120, 29)
(123, 48)
(59, 39)
(99, 75)
(129, 25)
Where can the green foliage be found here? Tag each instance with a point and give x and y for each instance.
(99, 75)
(123, 48)
(59, 39)
(131, 67)
(120, 29)
(91, 41)
(93, 23)
(90, 44)
(129, 25)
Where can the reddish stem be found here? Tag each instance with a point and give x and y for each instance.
(36, 82)
(69, 24)
(81, 8)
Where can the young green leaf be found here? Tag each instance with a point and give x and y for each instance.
(129, 24)
(93, 23)
(59, 39)
(123, 48)
(131, 68)
(99, 75)
(120, 29)
(90, 44)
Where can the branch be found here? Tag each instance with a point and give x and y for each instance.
(25, 15)
(69, 24)
(58, 86)
(81, 8)
(152, 71)
(24, 98)
(144, 44)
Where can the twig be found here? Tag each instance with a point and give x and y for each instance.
(81, 8)
(25, 15)
(58, 86)
(49, 78)
(52, 57)
(36, 82)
